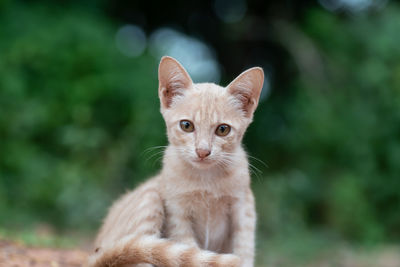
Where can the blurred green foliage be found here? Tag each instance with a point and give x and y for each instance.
(337, 144)
(76, 117)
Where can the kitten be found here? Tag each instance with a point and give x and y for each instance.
(199, 211)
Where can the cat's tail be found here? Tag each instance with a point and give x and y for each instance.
(159, 252)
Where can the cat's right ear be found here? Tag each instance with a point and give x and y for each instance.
(173, 80)
(247, 89)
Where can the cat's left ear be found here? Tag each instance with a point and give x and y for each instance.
(173, 80)
(247, 88)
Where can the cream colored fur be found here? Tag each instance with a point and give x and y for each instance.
(196, 211)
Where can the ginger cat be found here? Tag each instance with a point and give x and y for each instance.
(199, 210)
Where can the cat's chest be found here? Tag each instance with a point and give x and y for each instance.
(210, 218)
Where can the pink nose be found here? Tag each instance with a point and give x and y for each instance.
(202, 153)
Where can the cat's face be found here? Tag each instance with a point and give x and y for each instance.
(206, 122)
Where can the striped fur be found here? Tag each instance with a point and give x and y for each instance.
(197, 212)
(160, 252)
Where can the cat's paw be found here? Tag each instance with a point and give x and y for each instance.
(229, 260)
(91, 261)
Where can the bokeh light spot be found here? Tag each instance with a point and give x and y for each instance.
(131, 40)
(352, 5)
(266, 90)
(198, 58)
(230, 11)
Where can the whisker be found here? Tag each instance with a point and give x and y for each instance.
(148, 150)
(156, 161)
(256, 172)
(155, 154)
(259, 160)
(255, 168)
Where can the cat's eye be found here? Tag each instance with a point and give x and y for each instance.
(223, 130)
(187, 126)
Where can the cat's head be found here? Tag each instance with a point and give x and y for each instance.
(206, 122)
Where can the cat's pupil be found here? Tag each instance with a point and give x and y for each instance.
(223, 130)
(187, 126)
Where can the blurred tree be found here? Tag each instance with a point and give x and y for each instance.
(75, 116)
(342, 132)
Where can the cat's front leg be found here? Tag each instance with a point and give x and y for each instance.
(179, 226)
(244, 224)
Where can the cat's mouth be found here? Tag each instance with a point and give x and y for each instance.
(202, 162)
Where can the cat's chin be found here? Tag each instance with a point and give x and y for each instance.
(202, 164)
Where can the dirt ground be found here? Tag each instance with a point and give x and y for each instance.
(16, 255)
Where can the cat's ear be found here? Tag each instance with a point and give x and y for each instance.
(173, 80)
(247, 88)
